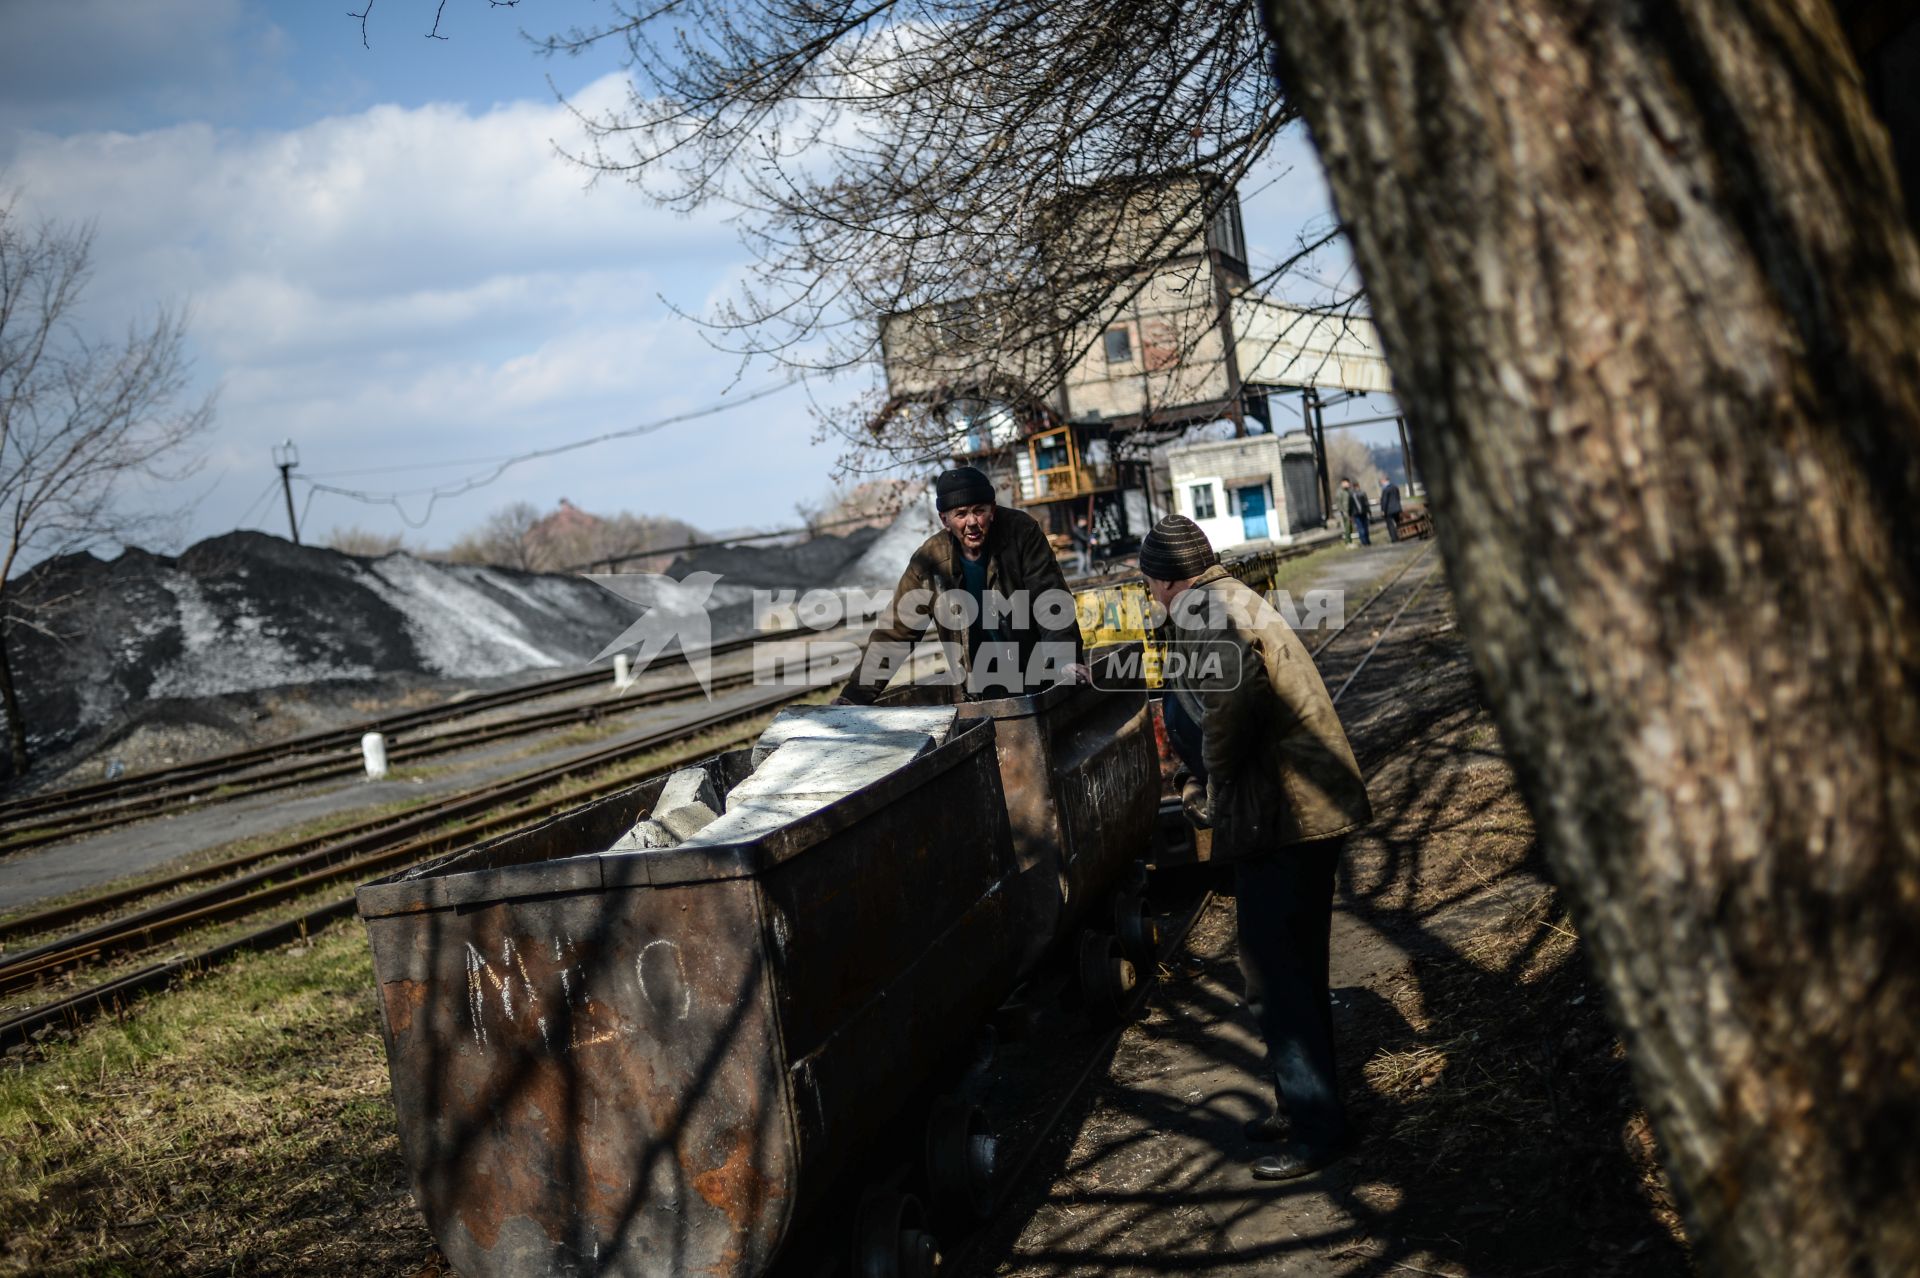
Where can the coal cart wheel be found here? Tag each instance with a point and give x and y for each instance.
(1138, 931)
(890, 1239)
(962, 1156)
(1107, 978)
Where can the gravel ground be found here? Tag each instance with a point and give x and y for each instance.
(1497, 1129)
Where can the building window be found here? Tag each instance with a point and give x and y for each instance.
(1203, 501)
(1119, 346)
(1050, 452)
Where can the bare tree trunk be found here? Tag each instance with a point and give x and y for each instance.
(1643, 276)
(10, 702)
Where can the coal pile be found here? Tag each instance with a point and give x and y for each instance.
(123, 639)
(821, 561)
(247, 637)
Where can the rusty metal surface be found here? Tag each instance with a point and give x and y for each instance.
(1080, 772)
(889, 946)
(589, 1083)
(1108, 788)
(1039, 889)
(605, 1068)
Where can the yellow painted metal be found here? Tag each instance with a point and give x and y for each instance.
(1120, 611)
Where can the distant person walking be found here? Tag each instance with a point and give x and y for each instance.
(1359, 509)
(1082, 546)
(1390, 507)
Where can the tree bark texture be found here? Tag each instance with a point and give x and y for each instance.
(1646, 284)
(17, 756)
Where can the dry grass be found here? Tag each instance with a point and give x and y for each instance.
(239, 1124)
(1399, 1075)
(1495, 1072)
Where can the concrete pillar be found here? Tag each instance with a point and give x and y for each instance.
(373, 748)
(622, 670)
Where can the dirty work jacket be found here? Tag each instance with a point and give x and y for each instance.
(1279, 768)
(1018, 558)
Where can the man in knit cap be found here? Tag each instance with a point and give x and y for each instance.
(989, 585)
(1277, 782)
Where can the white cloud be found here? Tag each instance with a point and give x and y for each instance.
(408, 284)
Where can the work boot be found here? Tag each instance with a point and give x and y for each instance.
(1294, 1160)
(1266, 1130)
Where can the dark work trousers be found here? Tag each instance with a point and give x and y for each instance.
(1392, 520)
(1284, 914)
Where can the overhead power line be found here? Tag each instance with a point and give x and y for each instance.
(432, 465)
(456, 488)
(247, 517)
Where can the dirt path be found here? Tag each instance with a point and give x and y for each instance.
(1497, 1131)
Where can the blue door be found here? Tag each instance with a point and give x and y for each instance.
(1253, 512)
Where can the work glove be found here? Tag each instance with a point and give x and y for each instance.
(1197, 805)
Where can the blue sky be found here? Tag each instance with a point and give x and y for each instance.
(386, 261)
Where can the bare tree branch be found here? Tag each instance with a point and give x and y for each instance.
(892, 155)
(79, 417)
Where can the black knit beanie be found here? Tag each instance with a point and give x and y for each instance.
(1175, 550)
(961, 486)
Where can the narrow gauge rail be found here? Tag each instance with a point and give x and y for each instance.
(13, 810)
(41, 830)
(403, 842)
(1347, 626)
(37, 820)
(1080, 1072)
(357, 849)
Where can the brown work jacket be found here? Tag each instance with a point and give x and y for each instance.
(1279, 768)
(1019, 559)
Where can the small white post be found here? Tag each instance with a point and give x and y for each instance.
(622, 670)
(373, 747)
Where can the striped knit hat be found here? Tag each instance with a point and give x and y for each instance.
(1175, 550)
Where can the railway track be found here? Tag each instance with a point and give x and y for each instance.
(55, 828)
(293, 871)
(1386, 587)
(39, 820)
(275, 876)
(1042, 1120)
(202, 776)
